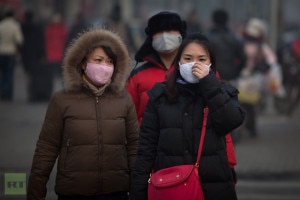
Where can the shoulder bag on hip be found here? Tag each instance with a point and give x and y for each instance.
(178, 182)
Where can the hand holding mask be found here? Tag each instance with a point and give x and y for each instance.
(192, 72)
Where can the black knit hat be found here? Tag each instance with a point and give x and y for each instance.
(165, 21)
(162, 21)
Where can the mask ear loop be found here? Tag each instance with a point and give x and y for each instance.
(208, 67)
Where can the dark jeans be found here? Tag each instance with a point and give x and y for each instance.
(7, 65)
(114, 196)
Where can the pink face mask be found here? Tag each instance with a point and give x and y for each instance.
(99, 74)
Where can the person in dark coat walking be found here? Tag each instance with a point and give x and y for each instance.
(230, 56)
(33, 58)
(172, 122)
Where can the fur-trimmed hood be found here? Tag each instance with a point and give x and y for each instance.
(80, 47)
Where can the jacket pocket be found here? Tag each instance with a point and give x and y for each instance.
(64, 153)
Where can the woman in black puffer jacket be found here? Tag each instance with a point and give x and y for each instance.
(172, 123)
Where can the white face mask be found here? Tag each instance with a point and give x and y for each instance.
(167, 42)
(186, 72)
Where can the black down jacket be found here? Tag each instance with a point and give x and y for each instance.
(170, 134)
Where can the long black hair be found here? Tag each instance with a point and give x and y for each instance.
(171, 86)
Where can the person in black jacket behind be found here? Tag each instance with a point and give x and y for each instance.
(33, 59)
(229, 50)
(172, 122)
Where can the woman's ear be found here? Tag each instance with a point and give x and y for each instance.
(82, 68)
(83, 65)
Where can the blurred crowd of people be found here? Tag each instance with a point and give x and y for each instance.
(245, 59)
(40, 46)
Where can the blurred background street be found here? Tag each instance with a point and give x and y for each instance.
(268, 166)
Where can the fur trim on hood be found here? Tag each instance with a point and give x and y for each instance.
(82, 46)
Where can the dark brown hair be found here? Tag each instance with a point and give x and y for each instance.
(109, 53)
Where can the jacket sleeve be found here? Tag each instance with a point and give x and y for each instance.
(222, 101)
(149, 133)
(132, 90)
(46, 152)
(132, 133)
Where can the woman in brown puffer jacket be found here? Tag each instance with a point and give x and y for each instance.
(91, 126)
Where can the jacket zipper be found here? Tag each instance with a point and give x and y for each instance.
(67, 151)
(99, 138)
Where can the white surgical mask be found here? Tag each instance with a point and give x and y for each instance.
(186, 72)
(166, 42)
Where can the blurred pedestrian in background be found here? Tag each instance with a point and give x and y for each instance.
(230, 59)
(120, 26)
(11, 39)
(90, 126)
(165, 31)
(173, 118)
(56, 34)
(261, 75)
(230, 56)
(193, 22)
(79, 24)
(33, 58)
(289, 58)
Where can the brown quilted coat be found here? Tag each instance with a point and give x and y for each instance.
(94, 139)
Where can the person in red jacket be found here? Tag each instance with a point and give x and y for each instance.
(55, 38)
(165, 32)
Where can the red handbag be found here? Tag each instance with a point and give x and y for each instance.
(178, 182)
